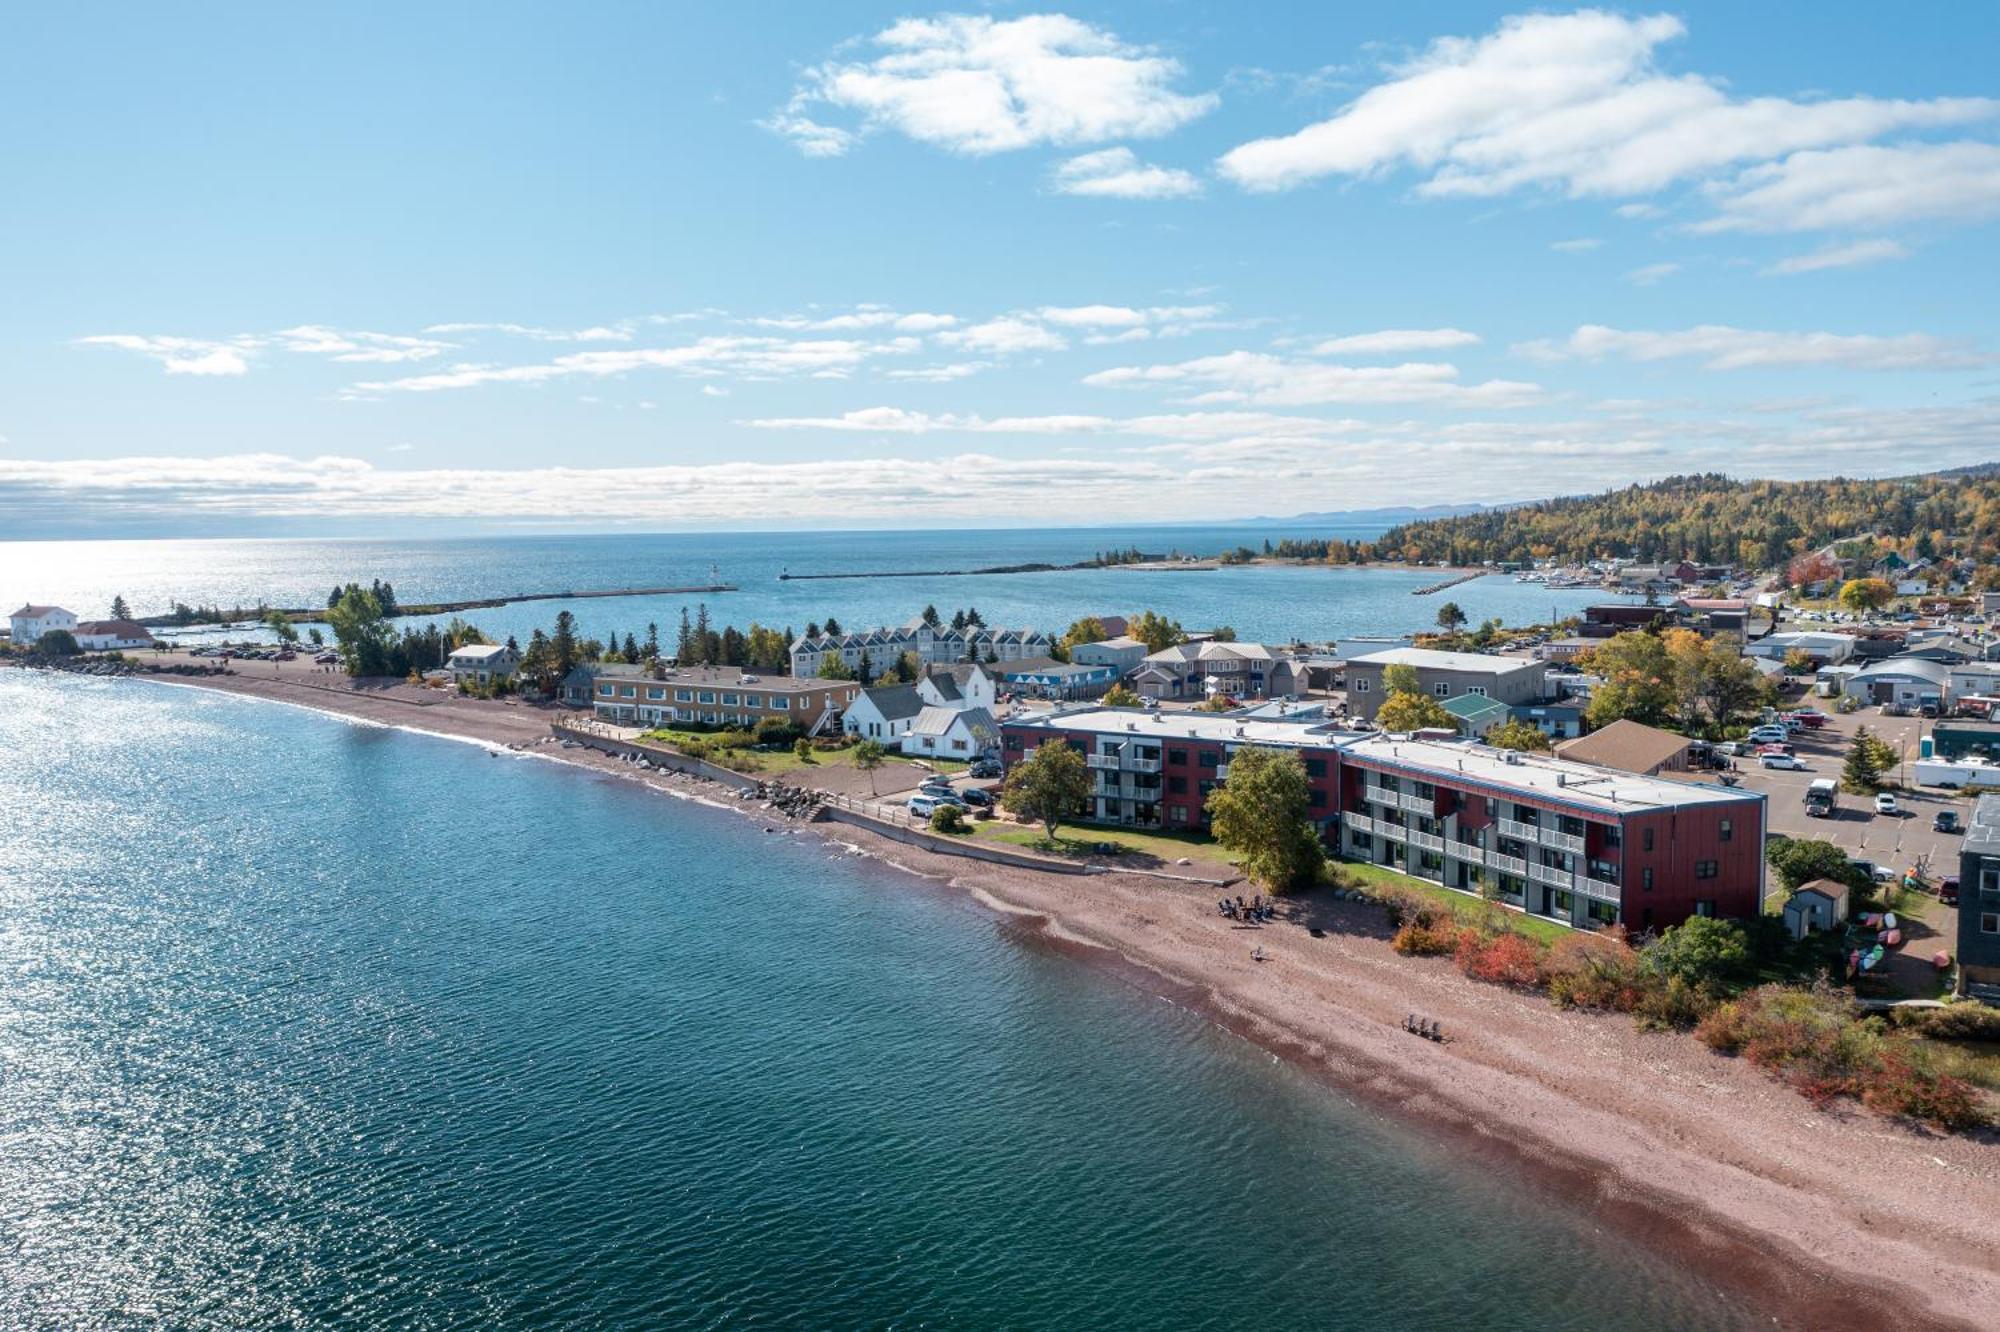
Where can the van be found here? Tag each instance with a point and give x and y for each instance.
(1822, 797)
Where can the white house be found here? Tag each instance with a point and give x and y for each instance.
(112, 635)
(962, 686)
(882, 713)
(30, 622)
(483, 663)
(950, 733)
(1909, 681)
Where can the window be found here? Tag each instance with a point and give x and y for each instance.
(1361, 685)
(1013, 742)
(1725, 831)
(1989, 922)
(657, 695)
(1177, 756)
(683, 696)
(1317, 800)
(1177, 785)
(1177, 814)
(1704, 869)
(1442, 689)
(707, 696)
(1315, 767)
(628, 691)
(1646, 879)
(958, 744)
(753, 700)
(781, 704)
(729, 700)
(1646, 840)
(1604, 913)
(1614, 836)
(1704, 907)
(1209, 758)
(1477, 691)
(1989, 880)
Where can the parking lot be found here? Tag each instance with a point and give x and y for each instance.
(1895, 841)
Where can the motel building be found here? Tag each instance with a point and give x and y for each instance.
(1570, 842)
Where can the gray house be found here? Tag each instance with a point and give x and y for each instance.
(1446, 675)
(1979, 903)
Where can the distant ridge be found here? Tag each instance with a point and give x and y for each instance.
(1713, 518)
(1405, 513)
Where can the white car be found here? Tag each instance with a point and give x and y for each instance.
(1886, 804)
(922, 806)
(1770, 735)
(1788, 761)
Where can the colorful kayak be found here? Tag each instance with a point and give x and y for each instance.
(1892, 939)
(1872, 958)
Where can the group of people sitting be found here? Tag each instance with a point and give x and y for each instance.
(1256, 909)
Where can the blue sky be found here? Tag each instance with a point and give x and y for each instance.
(375, 267)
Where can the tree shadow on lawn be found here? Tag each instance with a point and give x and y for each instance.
(1318, 909)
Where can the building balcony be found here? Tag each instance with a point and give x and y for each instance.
(1427, 841)
(1416, 804)
(1360, 823)
(1561, 841)
(1520, 832)
(1222, 772)
(1395, 832)
(1467, 852)
(1102, 760)
(1549, 874)
(1507, 864)
(1142, 765)
(1599, 889)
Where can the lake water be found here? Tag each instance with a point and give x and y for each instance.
(308, 1024)
(1279, 604)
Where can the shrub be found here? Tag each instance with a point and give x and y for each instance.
(949, 819)
(1500, 959)
(775, 731)
(1672, 1003)
(1432, 938)
(1903, 1083)
(1954, 1022)
(1592, 971)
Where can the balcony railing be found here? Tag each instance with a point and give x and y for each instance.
(1520, 832)
(1466, 851)
(1416, 804)
(1549, 874)
(1562, 841)
(1142, 765)
(1360, 823)
(1427, 841)
(1222, 772)
(1395, 832)
(1102, 760)
(1600, 889)
(1507, 864)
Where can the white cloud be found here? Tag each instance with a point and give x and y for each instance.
(860, 318)
(1117, 173)
(1862, 186)
(1576, 246)
(1257, 377)
(1839, 256)
(1391, 340)
(939, 374)
(1573, 102)
(1181, 426)
(357, 347)
(180, 356)
(1649, 274)
(600, 333)
(1720, 347)
(978, 85)
(750, 357)
(1008, 333)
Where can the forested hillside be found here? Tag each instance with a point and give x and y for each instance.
(1712, 519)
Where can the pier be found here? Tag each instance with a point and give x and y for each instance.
(317, 614)
(1434, 588)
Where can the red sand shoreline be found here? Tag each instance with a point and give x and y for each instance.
(1818, 1219)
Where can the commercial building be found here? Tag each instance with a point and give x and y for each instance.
(112, 635)
(1445, 675)
(1907, 681)
(1629, 746)
(1979, 903)
(1045, 677)
(1568, 841)
(1124, 653)
(716, 696)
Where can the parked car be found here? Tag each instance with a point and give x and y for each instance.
(1765, 735)
(1780, 761)
(1886, 804)
(1808, 718)
(922, 806)
(1948, 890)
(946, 797)
(1876, 873)
(1946, 821)
(985, 768)
(976, 796)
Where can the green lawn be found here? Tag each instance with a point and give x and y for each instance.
(1470, 909)
(1078, 842)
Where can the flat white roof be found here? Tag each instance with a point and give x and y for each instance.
(1430, 659)
(1585, 784)
(1215, 727)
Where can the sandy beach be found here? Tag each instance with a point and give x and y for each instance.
(1822, 1219)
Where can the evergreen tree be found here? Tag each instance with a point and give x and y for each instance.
(562, 644)
(958, 620)
(735, 647)
(931, 616)
(832, 626)
(119, 610)
(812, 628)
(1861, 773)
(684, 648)
(652, 641)
(631, 648)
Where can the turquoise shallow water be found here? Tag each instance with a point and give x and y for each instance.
(307, 1024)
(1278, 604)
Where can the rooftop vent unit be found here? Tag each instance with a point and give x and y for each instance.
(750, 679)
(1513, 756)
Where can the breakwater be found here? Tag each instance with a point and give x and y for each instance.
(1433, 588)
(317, 614)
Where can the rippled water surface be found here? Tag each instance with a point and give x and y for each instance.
(1275, 603)
(305, 1024)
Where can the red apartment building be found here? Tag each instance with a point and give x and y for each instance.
(1583, 845)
